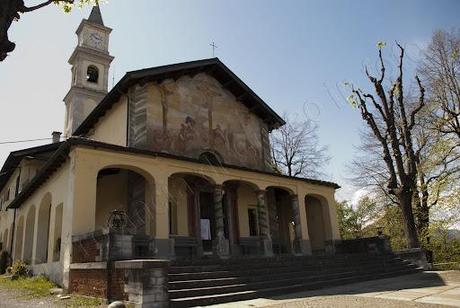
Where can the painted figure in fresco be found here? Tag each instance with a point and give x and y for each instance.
(219, 137)
(187, 134)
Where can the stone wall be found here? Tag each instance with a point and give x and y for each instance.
(95, 281)
(146, 282)
(90, 249)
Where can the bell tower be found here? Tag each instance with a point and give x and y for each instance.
(90, 70)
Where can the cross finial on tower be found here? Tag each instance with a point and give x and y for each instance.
(214, 46)
(96, 16)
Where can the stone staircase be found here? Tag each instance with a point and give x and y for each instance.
(207, 282)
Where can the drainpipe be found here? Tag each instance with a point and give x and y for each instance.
(12, 234)
(109, 268)
(16, 192)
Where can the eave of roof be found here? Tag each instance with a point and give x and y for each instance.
(14, 158)
(212, 66)
(61, 155)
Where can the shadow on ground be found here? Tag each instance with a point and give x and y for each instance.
(412, 281)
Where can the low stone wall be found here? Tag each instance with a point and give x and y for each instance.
(94, 255)
(93, 279)
(370, 245)
(51, 270)
(102, 246)
(416, 256)
(91, 247)
(146, 282)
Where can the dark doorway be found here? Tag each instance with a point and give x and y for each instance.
(207, 221)
(284, 224)
(281, 219)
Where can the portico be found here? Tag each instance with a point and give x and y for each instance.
(207, 211)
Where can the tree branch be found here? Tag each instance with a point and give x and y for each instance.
(25, 9)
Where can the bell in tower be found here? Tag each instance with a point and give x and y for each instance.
(90, 70)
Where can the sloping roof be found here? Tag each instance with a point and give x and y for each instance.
(15, 158)
(61, 154)
(96, 16)
(213, 67)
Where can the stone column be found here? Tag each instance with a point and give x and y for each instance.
(229, 196)
(299, 245)
(273, 217)
(196, 207)
(220, 243)
(162, 242)
(266, 241)
(146, 282)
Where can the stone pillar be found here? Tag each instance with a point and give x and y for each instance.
(272, 216)
(220, 243)
(266, 241)
(197, 209)
(146, 282)
(229, 196)
(300, 246)
(163, 245)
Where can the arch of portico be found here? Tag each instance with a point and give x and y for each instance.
(170, 216)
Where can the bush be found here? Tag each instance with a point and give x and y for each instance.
(4, 261)
(19, 269)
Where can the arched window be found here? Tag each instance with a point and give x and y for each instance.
(210, 158)
(92, 74)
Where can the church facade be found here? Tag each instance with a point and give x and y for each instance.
(173, 162)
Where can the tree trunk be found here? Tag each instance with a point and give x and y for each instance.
(422, 209)
(405, 202)
(8, 10)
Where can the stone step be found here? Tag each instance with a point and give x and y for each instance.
(276, 281)
(283, 258)
(282, 289)
(176, 275)
(174, 269)
(219, 278)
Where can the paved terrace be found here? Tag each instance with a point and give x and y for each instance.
(427, 289)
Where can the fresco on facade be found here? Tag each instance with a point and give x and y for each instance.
(192, 115)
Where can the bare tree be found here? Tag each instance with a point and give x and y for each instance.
(296, 150)
(440, 71)
(11, 10)
(367, 169)
(438, 169)
(388, 116)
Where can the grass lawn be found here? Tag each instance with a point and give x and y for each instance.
(35, 286)
(39, 287)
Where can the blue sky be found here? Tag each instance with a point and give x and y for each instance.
(294, 54)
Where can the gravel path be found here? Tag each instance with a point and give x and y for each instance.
(411, 290)
(15, 298)
(344, 301)
(425, 290)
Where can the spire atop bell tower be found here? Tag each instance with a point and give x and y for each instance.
(96, 16)
(90, 69)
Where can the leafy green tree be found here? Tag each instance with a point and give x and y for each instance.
(353, 221)
(391, 224)
(444, 247)
(346, 216)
